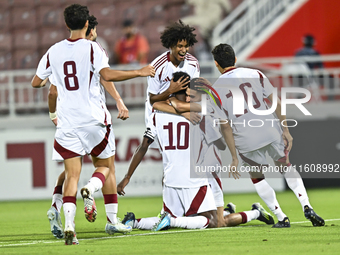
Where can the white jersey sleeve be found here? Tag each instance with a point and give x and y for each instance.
(44, 69)
(266, 85)
(100, 59)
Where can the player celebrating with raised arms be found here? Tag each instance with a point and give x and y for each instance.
(84, 125)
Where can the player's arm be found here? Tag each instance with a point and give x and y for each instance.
(135, 161)
(164, 106)
(181, 106)
(174, 87)
(123, 112)
(287, 137)
(118, 75)
(227, 133)
(37, 82)
(52, 103)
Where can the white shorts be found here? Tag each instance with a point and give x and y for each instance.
(216, 188)
(188, 201)
(276, 150)
(98, 141)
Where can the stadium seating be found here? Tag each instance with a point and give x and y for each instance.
(23, 17)
(35, 25)
(24, 59)
(25, 39)
(5, 41)
(4, 19)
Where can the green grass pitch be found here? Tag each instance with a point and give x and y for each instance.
(24, 229)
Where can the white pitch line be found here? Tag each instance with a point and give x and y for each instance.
(21, 243)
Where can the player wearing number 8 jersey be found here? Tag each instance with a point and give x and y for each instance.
(254, 142)
(84, 124)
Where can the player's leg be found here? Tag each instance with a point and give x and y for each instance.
(294, 181)
(256, 159)
(111, 203)
(53, 213)
(216, 187)
(257, 213)
(72, 173)
(197, 204)
(99, 142)
(141, 223)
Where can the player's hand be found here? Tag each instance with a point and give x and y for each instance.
(147, 71)
(180, 84)
(233, 169)
(123, 112)
(193, 117)
(287, 139)
(201, 82)
(122, 185)
(55, 121)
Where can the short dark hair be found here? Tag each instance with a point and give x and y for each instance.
(178, 31)
(127, 23)
(224, 55)
(308, 40)
(176, 76)
(92, 24)
(76, 16)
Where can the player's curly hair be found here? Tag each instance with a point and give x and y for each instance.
(76, 16)
(178, 31)
(92, 24)
(224, 55)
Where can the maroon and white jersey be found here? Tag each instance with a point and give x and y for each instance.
(74, 67)
(174, 134)
(164, 72)
(251, 131)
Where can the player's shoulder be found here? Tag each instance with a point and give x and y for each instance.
(161, 60)
(190, 58)
(244, 72)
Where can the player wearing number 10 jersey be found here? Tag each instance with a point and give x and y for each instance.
(254, 142)
(84, 123)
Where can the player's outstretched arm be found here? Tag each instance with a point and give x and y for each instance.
(181, 106)
(118, 75)
(123, 112)
(52, 103)
(37, 82)
(164, 106)
(287, 137)
(174, 87)
(136, 159)
(227, 133)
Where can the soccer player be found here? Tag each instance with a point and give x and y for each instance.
(183, 195)
(253, 142)
(83, 119)
(53, 213)
(178, 38)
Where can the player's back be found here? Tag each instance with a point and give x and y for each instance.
(75, 65)
(251, 131)
(174, 134)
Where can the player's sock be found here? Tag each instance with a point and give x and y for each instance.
(57, 198)
(249, 215)
(145, 223)
(111, 207)
(225, 213)
(69, 207)
(195, 222)
(96, 182)
(266, 192)
(295, 183)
